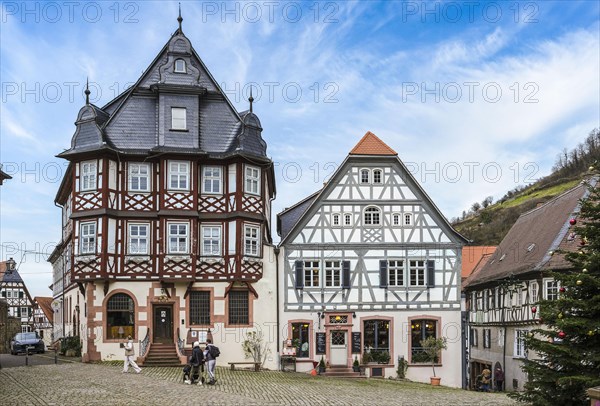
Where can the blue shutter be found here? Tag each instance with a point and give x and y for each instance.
(383, 275)
(299, 274)
(430, 273)
(346, 274)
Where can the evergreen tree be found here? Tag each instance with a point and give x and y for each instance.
(565, 351)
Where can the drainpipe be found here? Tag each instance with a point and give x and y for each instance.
(464, 315)
(276, 251)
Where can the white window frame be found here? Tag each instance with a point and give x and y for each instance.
(396, 219)
(212, 180)
(369, 221)
(373, 172)
(252, 240)
(533, 292)
(178, 174)
(178, 118)
(336, 220)
(24, 310)
(519, 350)
(136, 171)
(361, 179)
(135, 238)
(176, 68)
(396, 269)
(347, 219)
(419, 267)
(556, 287)
(407, 219)
(175, 239)
(311, 270)
(333, 271)
(89, 175)
(215, 250)
(87, 238)
(252, 176)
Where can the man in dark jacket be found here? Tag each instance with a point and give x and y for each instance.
(197, 363)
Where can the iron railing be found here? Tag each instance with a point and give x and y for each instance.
(145, 344)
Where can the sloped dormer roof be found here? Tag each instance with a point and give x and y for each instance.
(370, 144)
(45, 304)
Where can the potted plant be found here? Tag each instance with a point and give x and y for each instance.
(402, 367)
(383, 358)
(355, 364)
(432, 347)
(321, 366)
(366, 358)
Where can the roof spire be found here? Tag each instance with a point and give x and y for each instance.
(179, 19)
(87, 91)
(251, 99)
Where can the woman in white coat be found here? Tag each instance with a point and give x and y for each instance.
(129, 357)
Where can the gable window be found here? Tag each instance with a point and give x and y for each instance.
(179, 175)
(238, 307)
(550, 289)
(211, 240)
(200, 307)
(311, 274)
(178, 118)
(138, 239)
(251, 239)
(377, 335)
(139, 177)
(395, 219)
(178, 238)
(408, 219)
(333, 274)
(416, 271)
(211, 179)
(301, 339)
(120, 317)
(519, 348)
(396, 273)
(252, 180)
(88, 175)
(180, 66)
(364, 176)
(377, 176)
(372, 216)
(419, 331)
(88, 238)
(335, 219)
(347, 219)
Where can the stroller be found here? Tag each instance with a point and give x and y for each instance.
(193, 374)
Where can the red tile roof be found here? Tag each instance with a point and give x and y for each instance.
(45, 304)
(475, 256)
(370, 144)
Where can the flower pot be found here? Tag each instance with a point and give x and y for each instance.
(356, 368)
(321, 369)
(435, 380)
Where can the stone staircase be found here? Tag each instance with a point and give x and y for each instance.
(162, 355)
(341, 371)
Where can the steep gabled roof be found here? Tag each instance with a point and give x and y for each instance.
(3, 175)
(287, 219)
(45, 303)
(370, 144)
(472, 257)
(531, 243)
(6, 276)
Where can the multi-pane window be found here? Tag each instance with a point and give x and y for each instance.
(88, 238)
(376, 175)
(395, 219)
(251, 240)
(211, 240)
(252, 180)
(178, 238)
(178, 118)
(335, 219)
(311, 274)
(396, 273)
(377, 335)
(347, 219)
(199, 307)
(419, 331)
(139, 177)
(372, 216)
(179, 66)
(138, 239)
(364, 176)
(88, 175)
(211, 179)
(416, 272)
(179, 175)
(24, 312)
(407, 219)
(519, 348)
(238, 307)
(487, 338)
(301, 339)
(333, 274)
(533, 292)
(550, 289)
(120, 317)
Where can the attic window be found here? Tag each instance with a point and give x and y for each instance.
(502, 257)
(180, 66)
(531, 247)
(178, 118)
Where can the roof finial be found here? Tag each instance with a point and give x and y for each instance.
(251, 99)
(179, 19)
(87, 91)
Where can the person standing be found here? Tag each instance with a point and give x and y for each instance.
(211, 354)
(499, 379)
(485, 380)
(129, 355)
(196, 361)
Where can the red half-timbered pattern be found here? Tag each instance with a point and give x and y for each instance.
(252, 204)
(88, 200)
(138, 202)
(212, 204)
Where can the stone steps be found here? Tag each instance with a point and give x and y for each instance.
(162, 355)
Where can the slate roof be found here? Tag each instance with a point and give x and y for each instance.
(370, 144)
(3, 175)
(531, 243)
(9, 276)
(291, 215)
(45, 303)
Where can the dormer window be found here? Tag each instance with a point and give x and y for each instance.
(180, 66)
(178, 118)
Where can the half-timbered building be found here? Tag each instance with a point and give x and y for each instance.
(502, 295)
(42, 319)
(369, 267)
(166, 207)
(18, 299)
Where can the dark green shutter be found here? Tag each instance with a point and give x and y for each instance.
(383, 275)
(346, 274)
(430, 273)
(299, 274)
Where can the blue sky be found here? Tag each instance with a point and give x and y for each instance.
(475, 97)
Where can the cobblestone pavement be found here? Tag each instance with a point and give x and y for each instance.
(104, 384)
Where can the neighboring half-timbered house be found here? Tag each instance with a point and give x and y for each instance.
(43, 317)
(368, 264)
(502, 295)
(166, 217)
(14, 291)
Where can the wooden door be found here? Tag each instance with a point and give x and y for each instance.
(163, 324)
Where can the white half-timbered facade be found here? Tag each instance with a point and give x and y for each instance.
(370, 265)
(16, 294)
(166, 218)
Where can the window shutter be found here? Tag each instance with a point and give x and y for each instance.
(346, 274)
(299, 275)
(383, 276)
(20, 294)
(430, 273)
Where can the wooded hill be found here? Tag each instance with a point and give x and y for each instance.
(487, 223)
